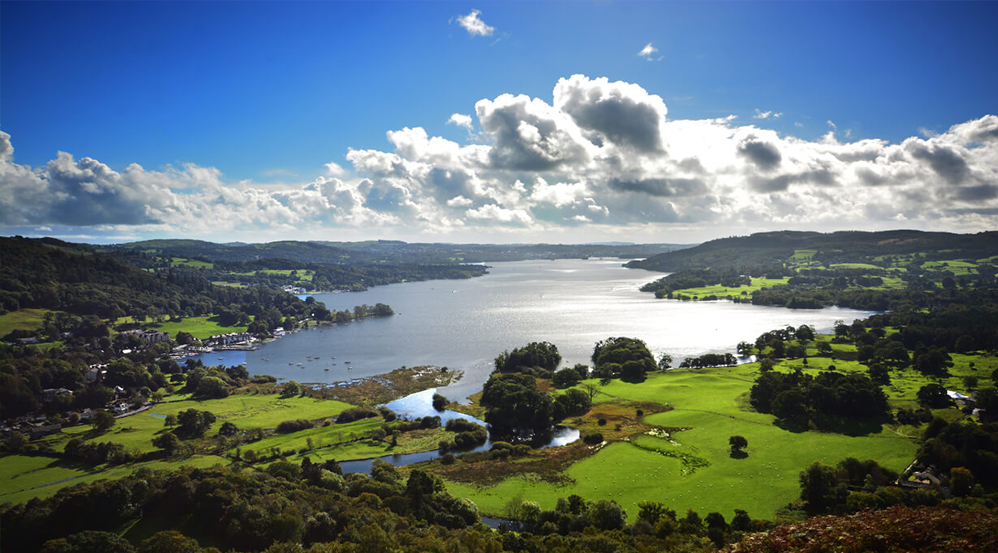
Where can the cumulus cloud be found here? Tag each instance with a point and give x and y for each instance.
(334, 169)
(595, 155)
(648, 53)
(474, 24)
(766, 114)
(622, 113)
(461, 120)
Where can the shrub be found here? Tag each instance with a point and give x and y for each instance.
(439, 402)
(461, 425)
(593, 439)
(288, 427)
(601, 421)
(356, 414)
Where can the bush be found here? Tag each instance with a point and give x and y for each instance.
(439, 402)
(593, 439)
(470, 439)
(461, 425)
(288, 427)
(356, 414)
(448, 459)
(601, 421)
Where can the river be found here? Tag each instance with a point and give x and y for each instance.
(465, 324)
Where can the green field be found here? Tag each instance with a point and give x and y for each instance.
(27, 477)
(183, 262)
(856, 266)
(758, 283)
(199, 327)
(24, 319)
(958, 268)
(692, 468)
(19, 473)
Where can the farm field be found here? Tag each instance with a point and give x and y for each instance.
(686, 463)
(24, 319)
(720, 291)
(19, 474)
(199, 327)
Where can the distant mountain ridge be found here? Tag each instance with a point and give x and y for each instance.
(768, 248)
(381, 251)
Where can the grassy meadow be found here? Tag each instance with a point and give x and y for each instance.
(23, 319)
(682, 460)
(23, 477)
(758, 283)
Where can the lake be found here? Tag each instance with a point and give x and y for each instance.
(465, 324)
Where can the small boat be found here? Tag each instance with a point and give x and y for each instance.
(327, 368)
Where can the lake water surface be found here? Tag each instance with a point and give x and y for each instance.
(465, 324)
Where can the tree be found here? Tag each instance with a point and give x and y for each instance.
(514, 404)
(961, 481)
(169, 541)
(535, 355)
(16, 442)
(89, 541)
(606, 514)
(291, 389)
(571, 404)
(665, 362)
(565, 378)
(737, 443)
(167, 441)
(591, 390)
(211, 387)
(817, 488)
(195, 423)
(933, 396)
(229, 429)
(614, 354)
(439, 402)
(824, 348)
(171, 420)
(102, 421)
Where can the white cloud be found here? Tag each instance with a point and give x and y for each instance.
(474, 24)
(596, 157)
(334, 169)
(832, 125)
(461, 120)
(459, 201)
(766, 114)
(648, 53)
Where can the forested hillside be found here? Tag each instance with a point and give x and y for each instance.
(777, 248)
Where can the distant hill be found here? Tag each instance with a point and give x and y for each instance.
(770, 248)
(381, 251)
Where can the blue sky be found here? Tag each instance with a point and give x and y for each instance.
(256, 98)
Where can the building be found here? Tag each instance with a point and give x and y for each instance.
(228, 339)
(149, 337)
(48, 394)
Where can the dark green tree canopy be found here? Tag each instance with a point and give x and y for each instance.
(627, 358)
(515, 405)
